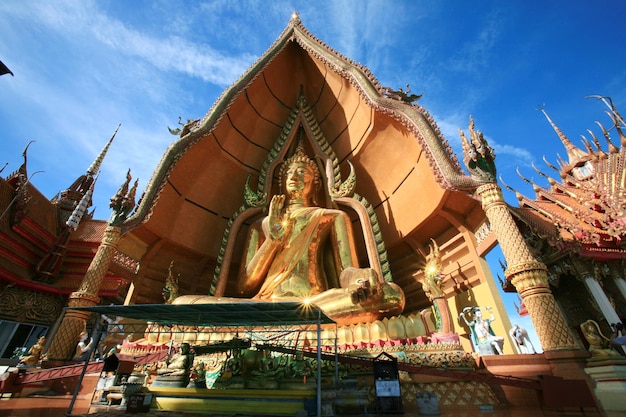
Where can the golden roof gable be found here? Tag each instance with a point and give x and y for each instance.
(404, 167)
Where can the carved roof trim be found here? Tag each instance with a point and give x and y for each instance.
(416, 119)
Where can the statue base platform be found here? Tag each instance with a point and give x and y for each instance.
(609, 383)
(171, 381)
(232, 401)
(445, 338)
(235, 382)
(298, 384)
(196, 384)
(261, 383)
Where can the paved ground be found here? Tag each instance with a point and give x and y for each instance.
(57, 406)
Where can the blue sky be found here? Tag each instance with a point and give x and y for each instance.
(82, 67)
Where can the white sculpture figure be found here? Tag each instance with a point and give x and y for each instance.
(521, 341)
(481, 331)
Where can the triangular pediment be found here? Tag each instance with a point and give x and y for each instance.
(299, 88)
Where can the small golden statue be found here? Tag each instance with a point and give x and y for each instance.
(179, 364)
(170, 291)
(177, 369)
(300, 367)
(34, 353)
(432, 284)
(599, 345)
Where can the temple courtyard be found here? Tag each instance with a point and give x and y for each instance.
(57, 406)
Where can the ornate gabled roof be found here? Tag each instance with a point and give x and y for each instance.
(328, 80)
(395, 147)
(589, 205)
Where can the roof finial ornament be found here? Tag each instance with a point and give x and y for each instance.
(618, 127)
(81, 208)
(478, 156)
(612, 148)
(596, 142)
(543, 174)
(185, 127)
(609, 103)
(549, 164)
(295, 17)
(536, 188)
(401, 95)
(518, 195)
(523, 178)
(95, 166)
(123, 201)
(616, 117)
(574, 154)
(587, 145)
(561, 161)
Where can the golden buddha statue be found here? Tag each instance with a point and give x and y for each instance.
(599, 345)
(34, 353)
(179, 364)
(303, 252)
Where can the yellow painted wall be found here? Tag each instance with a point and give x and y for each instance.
(485, 294)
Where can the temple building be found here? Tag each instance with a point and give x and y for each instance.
(576, 225)
(414, 278)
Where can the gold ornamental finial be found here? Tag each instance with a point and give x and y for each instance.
(612, 148)
(95, 166)
(596, 144)
(123, 201)
(478, 156)
(574, 154)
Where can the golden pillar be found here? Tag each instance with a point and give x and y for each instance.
(63, 346)
(528, 275)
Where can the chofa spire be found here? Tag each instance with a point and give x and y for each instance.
(92, 171)
(574, 154)
(95, 166)
(70, 198)
(72, 204)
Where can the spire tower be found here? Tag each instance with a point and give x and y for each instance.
(574, 154)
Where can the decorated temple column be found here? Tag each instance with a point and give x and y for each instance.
(528, 275)
(63, 345)
(621, 285)
(601, 299)
(617, 273)
(585, 273)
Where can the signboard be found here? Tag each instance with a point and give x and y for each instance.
(387, 384)
(387, 388)
(139, 403)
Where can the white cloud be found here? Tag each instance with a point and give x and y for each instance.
(98, 71)
(173, 53)
(82, 23)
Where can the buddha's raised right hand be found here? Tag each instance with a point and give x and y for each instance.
(276, 218)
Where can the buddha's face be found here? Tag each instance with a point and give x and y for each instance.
(299, 180)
